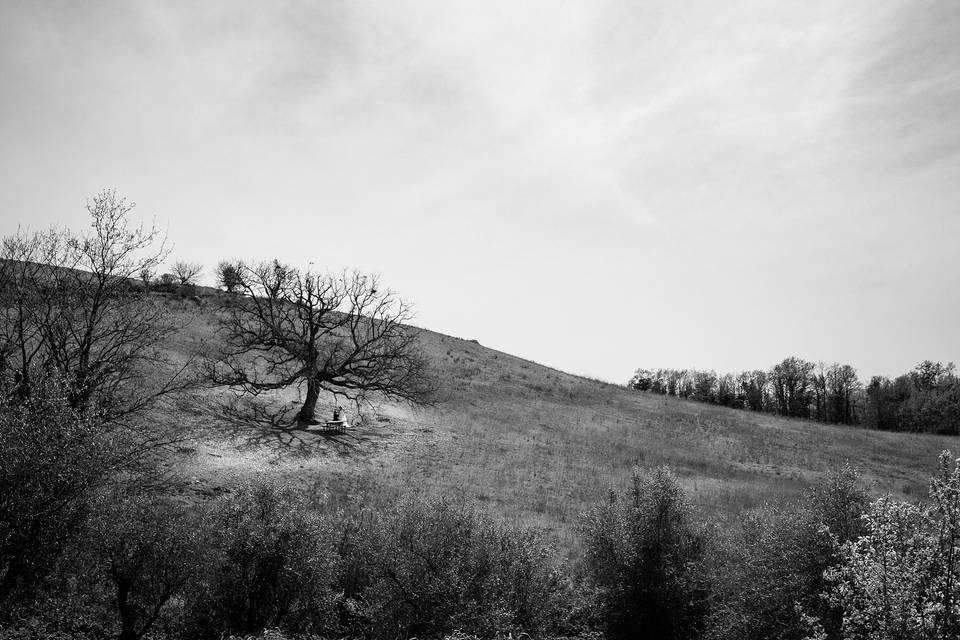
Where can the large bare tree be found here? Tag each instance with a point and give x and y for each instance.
(336, 333)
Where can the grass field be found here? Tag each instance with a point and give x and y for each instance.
(534, 444)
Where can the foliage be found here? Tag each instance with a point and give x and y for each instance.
(167, 283)
(52, 458)
(901, 579)
(772, 575)
(265, 564)
(926, 399)
(228, 275)
(439, 566)
(270, 565)
(275, 634)
(145, 550)
(645, 551)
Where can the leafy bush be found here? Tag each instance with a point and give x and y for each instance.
(901, 579)
(275, 634)
(51, 459)
(439, 566)
(271, 565)
(166, 283)
(144, 551)
(228, 275)
(645, 552)
(772, 574)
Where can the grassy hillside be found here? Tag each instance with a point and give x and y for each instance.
(535, 444)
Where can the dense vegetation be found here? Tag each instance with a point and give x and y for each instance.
(926, 399)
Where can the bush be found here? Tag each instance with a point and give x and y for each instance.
(188, 290)
(228, 275)
(271, 566)
(143, 551)
(772, 575)
(644, 552)
(51, 460)
(275, 634)
(166, 283)
(901, 579)
(439, 566)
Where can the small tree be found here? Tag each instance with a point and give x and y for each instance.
(166, 283)
(147, 550)
(644, 552)
(186, 272)
(341, 333)
(227, 275)
(67, 306)
(146, 277)
(642, 380)
(901, 579)
(791, 381)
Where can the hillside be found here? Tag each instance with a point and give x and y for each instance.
(535, 444)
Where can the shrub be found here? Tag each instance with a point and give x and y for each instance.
(188, 290)
(144, 551)
(228, 275)
(275, 634)
(644, 552)
(271, 565)
(440, 566)
(772, 575)
(51, 460)
(167, 283)
(901, 579)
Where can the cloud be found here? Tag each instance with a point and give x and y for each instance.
(906, 99)
(734, 162)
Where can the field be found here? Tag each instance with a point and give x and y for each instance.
(534, 444)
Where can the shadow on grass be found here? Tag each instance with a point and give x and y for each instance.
(257, 424)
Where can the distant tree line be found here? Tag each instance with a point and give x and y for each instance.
(926, 399)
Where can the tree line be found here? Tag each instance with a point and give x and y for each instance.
(926, 399)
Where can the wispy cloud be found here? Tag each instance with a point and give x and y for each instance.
(659, 182)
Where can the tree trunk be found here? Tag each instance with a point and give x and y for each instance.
(310, 402)
(127, 617)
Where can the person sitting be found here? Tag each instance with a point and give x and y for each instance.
(336, 413)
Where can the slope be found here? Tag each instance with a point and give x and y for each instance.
(536, 444)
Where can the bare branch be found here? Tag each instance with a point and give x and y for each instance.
(339, 333)
(187, 272)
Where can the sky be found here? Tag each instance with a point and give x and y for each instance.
(595, 185)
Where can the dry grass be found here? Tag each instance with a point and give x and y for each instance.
(538, 445)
